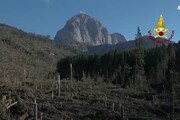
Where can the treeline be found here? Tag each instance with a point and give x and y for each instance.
(138, 68)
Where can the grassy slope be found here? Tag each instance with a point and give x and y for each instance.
(20, 51)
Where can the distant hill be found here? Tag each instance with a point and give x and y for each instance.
(122, 46)
(20, 51)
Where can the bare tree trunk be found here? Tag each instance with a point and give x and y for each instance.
(135, 74)
(16, 83)
(122, 112)
(59, 85)
(41, 86)
(52, 94)
(35, 110)
(71, 75)
(25, 77)
(113, 106)
(65, 87)
(119, 106)
(107, 76)
(41, 116)
(61, 104)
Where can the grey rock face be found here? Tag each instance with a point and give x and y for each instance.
(117, 38)
(86, 30)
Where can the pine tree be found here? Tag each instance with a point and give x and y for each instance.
(139, 79)
(138, 34)
(172, 76)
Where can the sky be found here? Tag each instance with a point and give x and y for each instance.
(46, 17)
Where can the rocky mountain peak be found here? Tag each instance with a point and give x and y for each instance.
(80, 18)
(86, 30)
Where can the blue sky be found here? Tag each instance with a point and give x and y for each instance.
(48, 16)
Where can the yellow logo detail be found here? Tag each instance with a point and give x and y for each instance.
(161, 30)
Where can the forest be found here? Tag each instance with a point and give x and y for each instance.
(140, 68)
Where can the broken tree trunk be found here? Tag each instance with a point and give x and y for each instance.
(35, 110)
(52, 94)
(122, 112)
(7, 107)
(41, 116)
(112, 106)
(59, 85)
(71, 75)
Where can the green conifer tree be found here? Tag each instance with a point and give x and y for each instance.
(139, 78)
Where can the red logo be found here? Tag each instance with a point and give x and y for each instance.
(160, 41)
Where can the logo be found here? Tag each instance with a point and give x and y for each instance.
(161, 31)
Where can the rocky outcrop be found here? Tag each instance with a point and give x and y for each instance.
(117, 38)
(83, 29)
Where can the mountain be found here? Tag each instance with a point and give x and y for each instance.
(117, 38)
(86, 34)
(121, 46)
(37, 55)
(82, 30)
